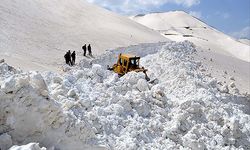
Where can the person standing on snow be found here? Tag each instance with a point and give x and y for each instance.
(89, 50)
(84, 48)
(66, 58)
(69, 58)
(73, 56)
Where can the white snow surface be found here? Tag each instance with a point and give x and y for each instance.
(180, 26)
(245, 41)
(90, 107)
(35, 34)
(30, 146)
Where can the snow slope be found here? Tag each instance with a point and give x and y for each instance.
(180, 26)
(90, 107)
(35, 34)
(245, 41)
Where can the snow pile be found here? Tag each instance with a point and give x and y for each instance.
(31, 146)
(29, 114)
(93, 106)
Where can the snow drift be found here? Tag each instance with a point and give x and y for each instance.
(91, 107)
(35, 34)
(180, 26)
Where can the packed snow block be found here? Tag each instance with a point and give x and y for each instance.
(2, 61)
(233, 125)
(115, 109)
(5, 141)
(98, 70)
(58, 91)
(66, 68)
(85, 102)
(84, 63)
(132, 77)
(111, 79)
(72, 93)
(232, 85)
(142, 85)
(79, 74)
(158, 92)
(142, 108)
(172, 132)
(235, 91)
(126, 104)
(9, 85)
(192, 141)
(195, 108)
(4, 68)
(97, 73)
(23, 81)
(30, 146)
(37, 82)
(57, 80)
(71, 79)
(224, 89)
(15, 82)
(215, 115)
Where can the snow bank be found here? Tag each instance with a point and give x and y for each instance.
(90, 107)
(29, 114)
(31, 146)
(110, 57)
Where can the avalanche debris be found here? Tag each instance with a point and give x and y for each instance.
(90, 107)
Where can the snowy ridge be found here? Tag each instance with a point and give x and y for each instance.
(245, 41)
(185, 109)
(180, 26)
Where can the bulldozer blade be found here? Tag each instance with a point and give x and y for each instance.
(155, 81)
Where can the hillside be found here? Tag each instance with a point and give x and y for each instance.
(35, 34)
(180, 26)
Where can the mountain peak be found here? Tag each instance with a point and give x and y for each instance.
(179, 25)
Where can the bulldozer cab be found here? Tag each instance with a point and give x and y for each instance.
(126, 63)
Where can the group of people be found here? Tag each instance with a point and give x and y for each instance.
(70, 58)
(85, 48)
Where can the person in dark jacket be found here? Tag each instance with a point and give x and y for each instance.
(73, 56)
(69, 58)
(89, 50)
(84, 48)
(66, 58)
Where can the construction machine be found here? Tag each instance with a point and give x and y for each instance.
(127, 63)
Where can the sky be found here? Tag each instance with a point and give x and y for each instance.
(229, 16)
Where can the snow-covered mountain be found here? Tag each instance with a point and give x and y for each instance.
(198, 97)
(179, 26)
(245, 41)
(35, 34)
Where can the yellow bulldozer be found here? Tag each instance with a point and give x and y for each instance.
(127, 63)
